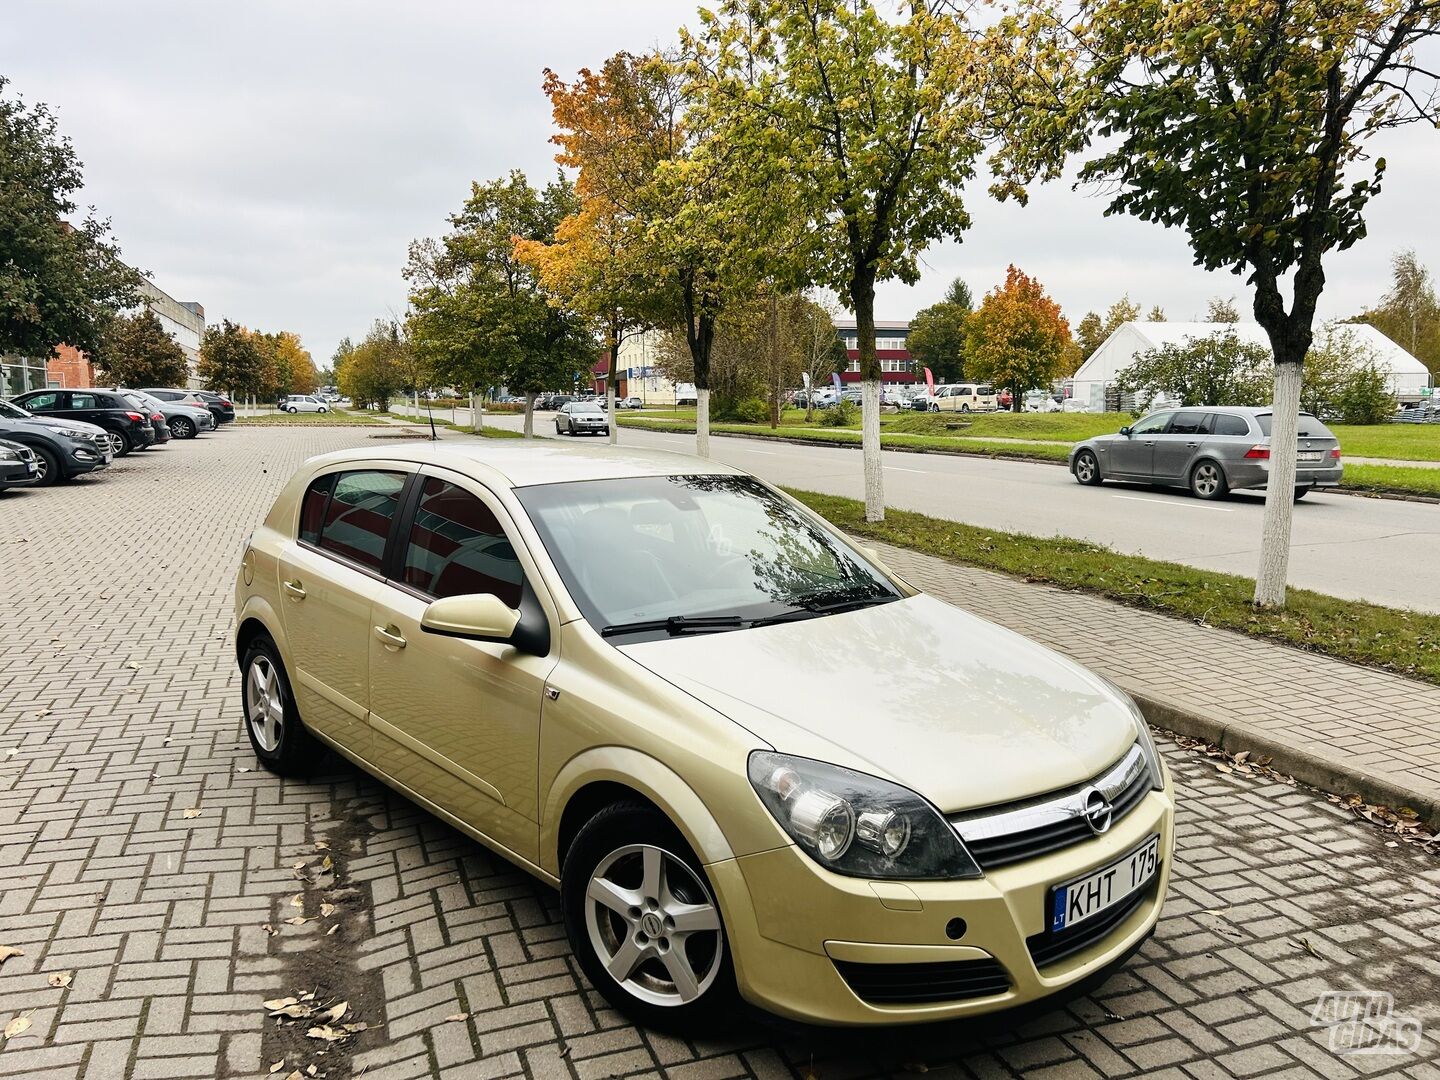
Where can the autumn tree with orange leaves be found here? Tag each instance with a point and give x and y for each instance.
(1017, 338)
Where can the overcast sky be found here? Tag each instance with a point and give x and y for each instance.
(272, 160)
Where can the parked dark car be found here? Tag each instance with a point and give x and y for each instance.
(17, 464)
(127, 427)
(1212, 450)
(220, 406)
(581, 418)
(60, 452)
(151, 408)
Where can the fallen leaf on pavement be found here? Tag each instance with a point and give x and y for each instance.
(455, 1018)
(335, 1012)
(18, 1026)
(299, 920)
(298, 900)
(326, 910)
(192, 811)
(1304, 943)
(132, 665)
(7, 951)
(280, 1003)
(326, 864)
(277, 1066)
(296, 1011)
(295, 1076)
(327, 1033)
(60, 979)
(332, 929)
(270, 930)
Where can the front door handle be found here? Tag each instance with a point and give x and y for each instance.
(392, 638)
(294, 589)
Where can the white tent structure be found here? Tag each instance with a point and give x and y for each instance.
(1407, 375)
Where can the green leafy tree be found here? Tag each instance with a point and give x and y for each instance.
(1090, 335)
(1092, 331)
(1222, 309)
(1248, 124)
(369, 373)
(1344, 381)
(871, 120)
(232, 360)
(937, 334)
(1218, 369)
(135, 350)
(1409, 313)
(1017, 338)
(60, 280)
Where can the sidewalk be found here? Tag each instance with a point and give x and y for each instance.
(1337, 726)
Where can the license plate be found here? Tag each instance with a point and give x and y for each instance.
(1309, 455)
(1084, 898)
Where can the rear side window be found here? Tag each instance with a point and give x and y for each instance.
(1310, 427)
(1228, 424)
(457, 546)
(357, 519)
(87, 401)
(312, 508)
(1190, 423)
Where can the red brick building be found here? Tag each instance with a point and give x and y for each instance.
(895, 363)
(69, 367)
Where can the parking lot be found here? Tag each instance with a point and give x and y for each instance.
(180, 887)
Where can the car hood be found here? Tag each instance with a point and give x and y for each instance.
(962, 711)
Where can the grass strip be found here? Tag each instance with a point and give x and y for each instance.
(1405, 642)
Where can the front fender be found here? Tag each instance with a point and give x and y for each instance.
(646, 775)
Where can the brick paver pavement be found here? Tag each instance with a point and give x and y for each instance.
(143, 854)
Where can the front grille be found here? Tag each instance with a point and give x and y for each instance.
(1001, 835)
(911, 984)
(1051, 947)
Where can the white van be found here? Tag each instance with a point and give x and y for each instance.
(965, 398)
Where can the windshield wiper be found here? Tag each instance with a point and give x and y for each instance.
(814, 608)
(676, 624)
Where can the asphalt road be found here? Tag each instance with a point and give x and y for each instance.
(1381, 550)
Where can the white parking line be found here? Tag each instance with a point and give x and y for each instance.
(1176, 502)
(767, 453)
(917, 472)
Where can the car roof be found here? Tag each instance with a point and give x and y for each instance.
(529, 463)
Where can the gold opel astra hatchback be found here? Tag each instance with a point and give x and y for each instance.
(756, 763)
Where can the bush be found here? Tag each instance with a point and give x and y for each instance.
(845, 414)
(742, 411)
(1364, 396)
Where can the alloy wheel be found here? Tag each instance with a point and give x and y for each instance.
(1085, 468)
(653, 925)
(42, 469)
(181, 428)
(1207, 480)
(117, 442)
(264, 704)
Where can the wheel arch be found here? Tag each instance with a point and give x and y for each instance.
(608, 774)
(257, 618)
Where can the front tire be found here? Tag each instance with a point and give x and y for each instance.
(272, 721)
(1207, 481)
(49, 467)
(1087, 468)
(643, 922)
(182, 428)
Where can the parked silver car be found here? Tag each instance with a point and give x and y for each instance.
(1210, 450)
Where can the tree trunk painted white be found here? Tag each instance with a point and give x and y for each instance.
(870, 450)
(614, 425)
(529, 416)
(1280, 488)
(702, 422)
(477, 416)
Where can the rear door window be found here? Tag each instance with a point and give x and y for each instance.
(1310, 426)
(86, 401)
(359, 514)
(1229, 424)
(1190, 423)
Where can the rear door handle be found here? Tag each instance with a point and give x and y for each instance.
(294, 589)
(392, 638)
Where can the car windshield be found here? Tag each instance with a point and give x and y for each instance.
(585, 407)
(13, 412)
(652, 555)
(1310, 427)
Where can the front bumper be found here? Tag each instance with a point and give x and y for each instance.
(790, 922)
(17, 472)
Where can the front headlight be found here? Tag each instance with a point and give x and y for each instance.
(8, 455)
(856, 824)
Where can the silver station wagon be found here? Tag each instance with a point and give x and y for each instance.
(1210, 450)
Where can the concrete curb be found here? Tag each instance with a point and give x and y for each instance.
(1307, 767)
(680, 429)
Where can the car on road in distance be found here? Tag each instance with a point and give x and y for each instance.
(631, 402)
(303, 403)
(18, 464)
(126, 426)
(965, 398)
(62, 448)
(581, 418)
(1209, 450)
(585, 657)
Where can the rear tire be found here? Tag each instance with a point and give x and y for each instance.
(277, 734)
(118, 442)
(666, 976)
(1087, 468)
(1207, 481)
(1300, 493)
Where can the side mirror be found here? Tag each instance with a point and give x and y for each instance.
(482, 616)
(1126, 431)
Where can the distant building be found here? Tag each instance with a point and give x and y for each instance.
(890, 337)
(183, 320)
(1094, 382)
(639, 374)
